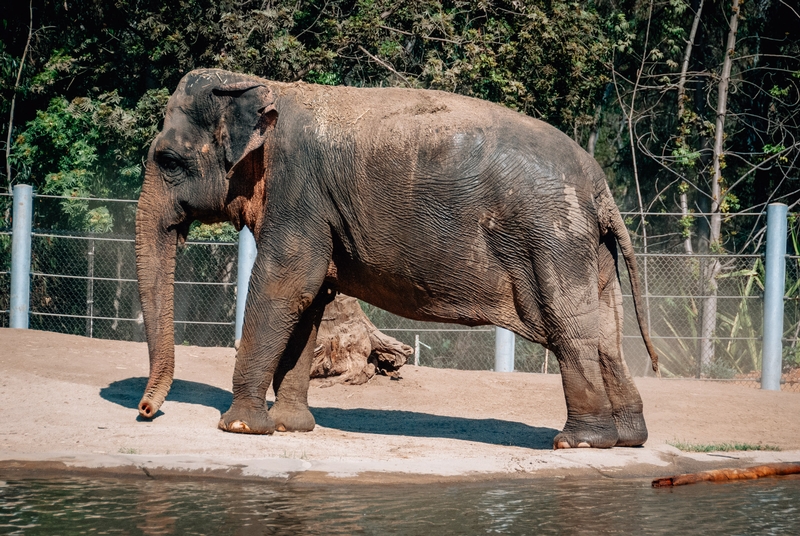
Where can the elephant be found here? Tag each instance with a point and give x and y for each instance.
(430, 205)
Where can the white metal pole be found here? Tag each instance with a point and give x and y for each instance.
(21, 256)
(247, 257)
(503, 350)
(774, 288)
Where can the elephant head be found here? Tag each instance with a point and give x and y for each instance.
(208, 163)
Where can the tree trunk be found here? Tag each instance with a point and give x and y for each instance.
(709, 321)
(350, 349)
(687, 56)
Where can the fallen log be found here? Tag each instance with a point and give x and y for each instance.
(350, 349)
(727, 475)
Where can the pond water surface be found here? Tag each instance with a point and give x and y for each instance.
(557, 506)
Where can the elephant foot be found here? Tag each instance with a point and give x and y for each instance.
(631, 428)
(292, 418)
(597, 433)
(247, 420)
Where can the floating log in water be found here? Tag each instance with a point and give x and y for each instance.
(726, 475)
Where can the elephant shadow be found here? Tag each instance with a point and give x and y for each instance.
(409, 423)
(128, 392)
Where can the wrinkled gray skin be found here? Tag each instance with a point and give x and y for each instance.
(427, 204)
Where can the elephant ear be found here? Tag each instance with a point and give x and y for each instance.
(247, 119)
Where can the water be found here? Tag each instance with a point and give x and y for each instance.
(128, 506)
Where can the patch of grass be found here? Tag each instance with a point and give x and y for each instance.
(293, 455)
(127, 450)
(719, 447)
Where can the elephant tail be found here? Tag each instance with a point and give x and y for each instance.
(611, 222)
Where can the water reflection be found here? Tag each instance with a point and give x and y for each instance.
(155, 509)
(128, 506)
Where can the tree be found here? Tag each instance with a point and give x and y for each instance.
(732, 144)
(637, 82)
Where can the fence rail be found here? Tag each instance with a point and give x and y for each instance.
(85, 284)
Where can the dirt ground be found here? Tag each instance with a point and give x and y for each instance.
(70, 406)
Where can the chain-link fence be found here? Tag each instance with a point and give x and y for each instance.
(5, 276)
(680, 301)
(676, 298)
(85, 284)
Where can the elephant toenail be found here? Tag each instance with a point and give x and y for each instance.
(280, 428)
(563, 445)
(583, 445)
(238, 426)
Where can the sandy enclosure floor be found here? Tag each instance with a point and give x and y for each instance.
(71, 407)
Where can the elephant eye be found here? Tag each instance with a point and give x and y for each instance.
(172, 166)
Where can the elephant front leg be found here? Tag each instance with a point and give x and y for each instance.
(290, 411)
(257, 367)
(248, 411)
(590, 421)
(279, 317)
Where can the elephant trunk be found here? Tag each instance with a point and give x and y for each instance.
(156, 247)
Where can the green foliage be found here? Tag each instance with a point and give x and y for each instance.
(88, 148)
(685, 156)
(686, 224)
(569, 62)
(773, 149)
(324, 78)
(779, 92)
(215, 232)
(94, 86)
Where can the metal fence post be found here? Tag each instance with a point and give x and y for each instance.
(90, 289)
(247, 256)
(774, 288)
(21, 255)
(503, 350)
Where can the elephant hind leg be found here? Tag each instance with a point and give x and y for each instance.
(570, 325)
(590, 421)
(622, 392)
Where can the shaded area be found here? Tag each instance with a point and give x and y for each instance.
(409, 423)
(128, 393)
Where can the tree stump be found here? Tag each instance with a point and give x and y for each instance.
(350, 349)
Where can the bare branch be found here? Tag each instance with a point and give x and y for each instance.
(790, 7)
(385, 65)
(427, 37)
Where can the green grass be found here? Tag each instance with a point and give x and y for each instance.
(719, 447)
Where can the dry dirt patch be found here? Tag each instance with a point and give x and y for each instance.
(72, 400)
